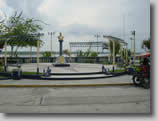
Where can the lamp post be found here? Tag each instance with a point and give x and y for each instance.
(38, 47)
(5, 61)
(113, 55)
(38, 44)
(97, 36)
(51, 47)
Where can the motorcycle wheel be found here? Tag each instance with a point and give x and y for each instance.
(137, 80)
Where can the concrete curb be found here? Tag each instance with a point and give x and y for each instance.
(39, 77)
(71, 85)
(86, 73)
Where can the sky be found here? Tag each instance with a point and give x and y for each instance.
(81, 20)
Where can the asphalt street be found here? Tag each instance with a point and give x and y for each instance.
(120, 99)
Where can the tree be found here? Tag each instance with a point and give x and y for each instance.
(93, 54)
(146, 44)
(87, 53)
(124, 53)
(18, 30)
(105, 45)
(67, 52)
(117, 47)
(1, 31)
(80, 53)
(46, 54)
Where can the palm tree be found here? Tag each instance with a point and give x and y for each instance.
(105, 45)
(124, 53)
(146, 44)
(68, 53)
(117, 47)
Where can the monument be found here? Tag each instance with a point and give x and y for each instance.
(61, 62)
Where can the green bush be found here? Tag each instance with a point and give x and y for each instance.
(88, 53)
(46, 54)
(94, 54)
(90, 60)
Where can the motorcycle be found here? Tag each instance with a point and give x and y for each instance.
(142, 78)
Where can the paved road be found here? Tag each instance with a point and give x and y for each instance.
(118, 99)
(121, 99)
(74, 68)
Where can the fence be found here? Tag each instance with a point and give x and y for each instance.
(53, 60)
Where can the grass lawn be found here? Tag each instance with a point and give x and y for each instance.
(2, 77)
(118, 70)
(30, 73)
(121, 70)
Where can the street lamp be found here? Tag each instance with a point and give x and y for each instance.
(97, 36)
(51, 48)
(5, 62)
(38, 47)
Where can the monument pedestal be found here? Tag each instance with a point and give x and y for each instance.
(61, 62)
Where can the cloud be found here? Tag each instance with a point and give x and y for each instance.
(5, 9)
(81, 19)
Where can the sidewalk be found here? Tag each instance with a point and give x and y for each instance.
(121, 79)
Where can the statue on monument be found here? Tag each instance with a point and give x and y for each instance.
(61, 60)
(60, 37)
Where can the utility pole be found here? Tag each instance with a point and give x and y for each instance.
(51, 35)
(134, 33)
(97, 36)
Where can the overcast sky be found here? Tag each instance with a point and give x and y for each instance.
(80, 20)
